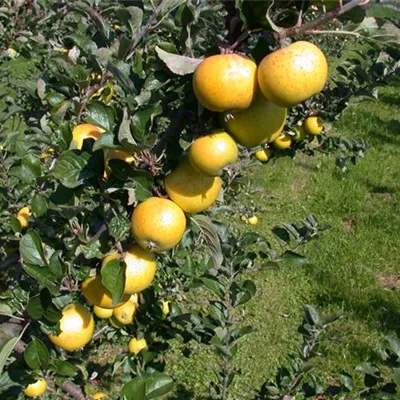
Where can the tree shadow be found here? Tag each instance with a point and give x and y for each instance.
(182, 393)
(377, 307)
(390, 99)
(388, 131)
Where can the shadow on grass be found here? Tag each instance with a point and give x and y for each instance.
(378, 130)
(390, 99)
(375, 307)
(182, 393)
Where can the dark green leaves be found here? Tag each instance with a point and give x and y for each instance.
(6, 351)
(132, 16)
(147, 387)
(41, 306)
(113, 278)
(242, 293)
(64, 368)
(31, 249)
(214, 285)
(101, 115)
(143, 118)
(39, 205)
(36, 355)
(46, 272)
(73, 168)
(119, 227)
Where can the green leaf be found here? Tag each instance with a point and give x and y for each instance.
(5, 310)
(44, 276)
(169, 5)
(213, 284)
(90, 249)
(101, 115)
(294, 259)
(42, 306)
(113, 279)
(142, 118)
(36, 355)
(119, 227)
(72, 168)
(124, 132)
(84, 43)
(135, 389)
(311, 315)
(31, 250)
(148, 387)
(56, 265)
(241, 294)
(396, 376)
(122, 77)
(394, 344)
(7, 350)
(179, 65)
(133, 16)
(64, 368)
(106, 141)
(39, 205)
(211, 237)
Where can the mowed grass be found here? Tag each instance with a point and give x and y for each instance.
(353, 266)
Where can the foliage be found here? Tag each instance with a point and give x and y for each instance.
(125, 67)
(299, 382)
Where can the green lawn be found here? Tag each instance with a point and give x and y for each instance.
(353, 266)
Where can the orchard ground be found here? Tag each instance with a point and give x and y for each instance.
(353, 269)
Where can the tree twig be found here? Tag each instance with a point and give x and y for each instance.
(91, 90)
(73, 390)
(149, 26)
(323, 19)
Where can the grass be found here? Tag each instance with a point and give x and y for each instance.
(351, 266)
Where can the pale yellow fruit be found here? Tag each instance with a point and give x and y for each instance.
(124, 314)
(12, 53)
(100, 395)
(102, 313)
(191, 191)
(96, 294)
(36, 389)
(140, 270)
(76, 328)
(283, 142)
(263, 155)
(313, 125)
(209, 154)
(253, 220)
(158, 224)
(85, 131)
(293, 74)
(135, 346)
(225, 82)
(115, 154)
(23, 216)
(134, 299)
(165, 307)
(261, 123)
